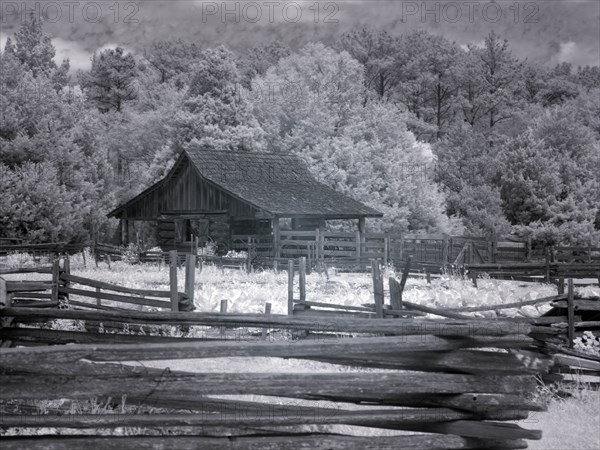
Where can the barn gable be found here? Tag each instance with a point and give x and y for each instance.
(247, 185)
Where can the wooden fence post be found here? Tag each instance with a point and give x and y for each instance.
(474, 278)
(386, 250)
(490, 246)
(428, 277)
(395, 295)
(98, 300)
(276, 242)
(547, 264)
(401, 248)
(223, 310)
(93, 252)
(317, 247)
(290, 287)
(248, 256)
(561, 285)
(321, 245)
(357, 237)
(190, 276)
(377, 287)
(267, 312)
(302, 279)
(3, 294)
(405, 276)
(570, 312)
(445, 257)
(55, 280)
(173, 280)
(67, 270)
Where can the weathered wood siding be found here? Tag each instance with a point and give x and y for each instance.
(185, 190)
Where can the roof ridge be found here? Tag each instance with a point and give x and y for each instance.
(238, 152)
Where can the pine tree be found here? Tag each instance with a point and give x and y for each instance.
(111, 81)
(60, 76)
(33, 48)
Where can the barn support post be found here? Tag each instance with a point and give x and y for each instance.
(124, 229)
(357, 238)
(361, 231)
(173, 280)
(276, 241)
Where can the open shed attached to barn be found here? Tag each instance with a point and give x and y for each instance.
(216, 196)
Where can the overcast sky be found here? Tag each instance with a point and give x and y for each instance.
(546, 32)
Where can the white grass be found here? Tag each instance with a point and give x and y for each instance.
(248, 293)
(572, 423)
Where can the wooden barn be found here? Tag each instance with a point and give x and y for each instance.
(212, 195)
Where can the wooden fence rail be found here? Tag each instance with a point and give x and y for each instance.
(62, 282)
(354, 251)
(458, 389)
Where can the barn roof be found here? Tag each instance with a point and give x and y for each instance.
(278, 184)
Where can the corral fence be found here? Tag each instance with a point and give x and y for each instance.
(565, 303)
(467, 376)
(61, 287)
(430, 254)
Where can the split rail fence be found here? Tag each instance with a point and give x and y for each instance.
(460, 395)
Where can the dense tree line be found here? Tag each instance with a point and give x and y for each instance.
(439, 137)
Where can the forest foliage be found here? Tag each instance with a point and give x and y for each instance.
(437, 136)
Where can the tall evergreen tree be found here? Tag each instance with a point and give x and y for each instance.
(111, 81)
(34, 48)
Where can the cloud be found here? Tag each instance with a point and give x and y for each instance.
(575, 54)
(77, 55)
